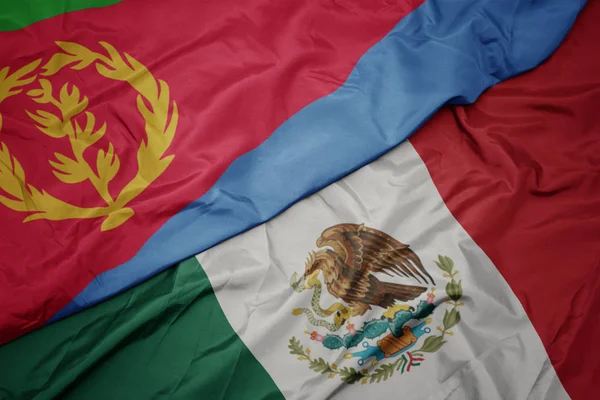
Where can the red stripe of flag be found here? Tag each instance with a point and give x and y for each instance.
(520, 170)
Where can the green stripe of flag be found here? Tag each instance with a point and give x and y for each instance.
(17, 14)
(165, 338)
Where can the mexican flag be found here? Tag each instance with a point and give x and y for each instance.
(217, 200)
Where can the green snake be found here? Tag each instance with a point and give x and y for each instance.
(342, 312)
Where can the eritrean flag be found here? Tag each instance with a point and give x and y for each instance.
(228, 184)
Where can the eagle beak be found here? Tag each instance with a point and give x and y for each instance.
(304, 282)
(308, 280)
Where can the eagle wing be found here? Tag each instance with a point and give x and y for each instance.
(365, 250)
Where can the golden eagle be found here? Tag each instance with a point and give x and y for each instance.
(350, 255)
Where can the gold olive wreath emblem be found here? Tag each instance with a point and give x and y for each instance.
(153, 103)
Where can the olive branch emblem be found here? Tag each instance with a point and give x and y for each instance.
(153, 103)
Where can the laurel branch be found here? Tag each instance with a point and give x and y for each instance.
(352, 375)
(153, 103)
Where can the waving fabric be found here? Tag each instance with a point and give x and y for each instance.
(137, 134)
(497, 201)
